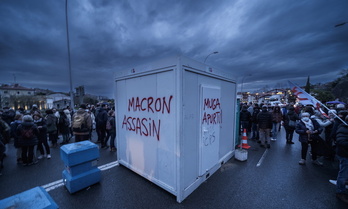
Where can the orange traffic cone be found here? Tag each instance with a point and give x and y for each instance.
(244, 141)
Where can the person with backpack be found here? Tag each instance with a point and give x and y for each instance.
(42, 139)
(81, 124)
(101, 120)
(111, 130)
(28, 134)
(63, 127)
(51, 122)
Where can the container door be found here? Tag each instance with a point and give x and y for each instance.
(211, 118)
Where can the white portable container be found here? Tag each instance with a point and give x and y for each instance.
(175, 121)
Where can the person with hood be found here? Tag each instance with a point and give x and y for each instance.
(342, 156)
(308, 130)
(264, 120)
(291, 115)
(42, 139)
(28, 134)
(81, 124)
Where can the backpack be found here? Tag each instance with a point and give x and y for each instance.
(27, 134)
(78, 123)
(108, 124)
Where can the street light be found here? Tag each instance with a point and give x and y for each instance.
(209, 55)
(241, 90)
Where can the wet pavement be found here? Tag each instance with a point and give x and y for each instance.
(270, 178)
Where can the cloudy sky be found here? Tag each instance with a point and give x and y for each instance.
(273, 40)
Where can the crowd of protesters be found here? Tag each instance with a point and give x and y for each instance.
(35, 132)
(324, 131)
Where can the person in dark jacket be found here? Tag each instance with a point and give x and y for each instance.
(14, 125)
(245, 119)
(4, 138)
(63, 127)
(337, 122)
(42, 139)
(111, 130)
(342, 156)
(308, 131)
(8, 115)
(254, 128)
(276, 120)
(51, 122)
(264, 121)
(28, 134)
(291, 115)
(101, 120)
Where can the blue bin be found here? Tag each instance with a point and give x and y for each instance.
(81, 181)
(36, 198)
(79, 152)
(81, 168)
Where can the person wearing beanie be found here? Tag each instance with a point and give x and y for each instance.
(308, 130)
(342, 156)
(28, 134)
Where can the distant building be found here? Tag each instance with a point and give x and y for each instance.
(58, 100)
(8, 93)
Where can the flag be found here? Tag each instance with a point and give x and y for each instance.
(305, 98)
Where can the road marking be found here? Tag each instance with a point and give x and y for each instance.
(59, 183)
(262, 158)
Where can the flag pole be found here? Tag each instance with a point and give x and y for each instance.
(321, 104)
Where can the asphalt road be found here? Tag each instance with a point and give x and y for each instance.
(270, 178)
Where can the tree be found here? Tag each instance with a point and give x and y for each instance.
(89, 100)
(323, 95)
(308, 86)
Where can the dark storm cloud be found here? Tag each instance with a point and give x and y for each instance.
(274, 41)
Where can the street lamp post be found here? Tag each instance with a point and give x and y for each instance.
(68, 43)
(209, 55)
